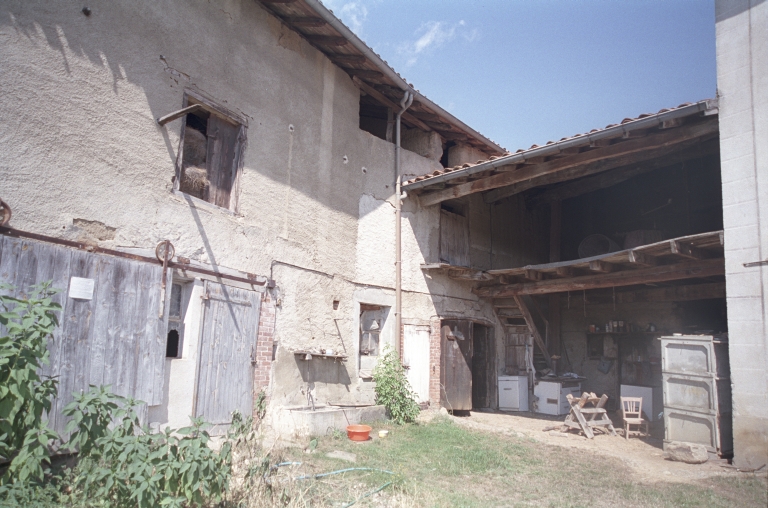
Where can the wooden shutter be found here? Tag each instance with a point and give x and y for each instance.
(222, 159)
(454, 239)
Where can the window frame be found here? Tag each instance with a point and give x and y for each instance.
(190, 98)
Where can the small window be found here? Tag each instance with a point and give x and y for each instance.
(595, 346)
(211, 155)
(371, 321)
(175, 323)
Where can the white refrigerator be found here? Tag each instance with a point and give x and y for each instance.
(513, 393)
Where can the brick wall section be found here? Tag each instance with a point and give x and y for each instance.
(265, 340)
(434, 362)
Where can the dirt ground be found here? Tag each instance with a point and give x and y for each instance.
(645, 455)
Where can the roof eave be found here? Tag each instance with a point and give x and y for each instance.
(705, 106)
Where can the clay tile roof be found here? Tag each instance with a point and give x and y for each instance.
(535, 146)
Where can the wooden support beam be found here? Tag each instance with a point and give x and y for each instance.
(532, 275)
(673, 122)
(532, 327)
(304, 21)
(364, 73)
(600, 266)
(347, 59)
(362, 85)
(674, 293)
(505, 303)
(610, 178)
(564, 271)
(686, 251)
(327, 40)
(639, 258)
(178, 114)
(638, 150)
(662, 273)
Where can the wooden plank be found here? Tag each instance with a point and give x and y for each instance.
(454, 239)
(389, 103)
(221, 160)
(455, 365)
(686, 250)
(178, 114)
(663, 273)
(347, 59)
(607, 179)
(639, 258)
(533, 328)
(363, 73)
(600, 266)
(104, 306)
(327, 40)
(599, 166)
(305, 21)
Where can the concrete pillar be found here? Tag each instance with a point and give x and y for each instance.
(427, 144)
(742, 81)
(464, 154)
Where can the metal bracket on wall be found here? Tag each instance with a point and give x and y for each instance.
(756, 263)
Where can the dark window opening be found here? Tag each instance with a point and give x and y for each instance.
(212, 148)
(375, 118)
(172, 344)
(371, 322)
(446, 148)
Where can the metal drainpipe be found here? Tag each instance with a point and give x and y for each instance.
(405, 103)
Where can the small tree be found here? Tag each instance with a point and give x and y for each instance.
(393, 390)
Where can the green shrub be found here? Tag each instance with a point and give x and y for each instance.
(124, 464)
(24, 396)
(393, 389)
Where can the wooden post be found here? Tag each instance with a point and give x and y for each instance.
(555, 227)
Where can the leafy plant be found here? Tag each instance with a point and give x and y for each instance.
(393, 389)
(125, 464)
(24, 395)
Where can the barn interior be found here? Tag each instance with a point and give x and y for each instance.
(589, 249)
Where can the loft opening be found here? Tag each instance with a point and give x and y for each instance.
(210, 162)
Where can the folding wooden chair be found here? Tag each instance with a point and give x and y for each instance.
(631, 408)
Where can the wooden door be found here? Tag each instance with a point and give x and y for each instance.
(416, 359)
(482, 366)
(454, 239)
(455, 365)
(227, 349)
(115, 335)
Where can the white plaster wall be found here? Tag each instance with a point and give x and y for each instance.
(742, 80)
(79, 140)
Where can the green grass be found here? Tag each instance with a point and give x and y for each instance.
(442, 464)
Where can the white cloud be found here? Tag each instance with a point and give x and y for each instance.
(432, 35)
(353, 13)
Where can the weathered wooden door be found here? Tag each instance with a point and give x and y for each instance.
(113, 334)
(227, 350)
(454, 239)
(455, 365)
(416, 359)
(482, 366)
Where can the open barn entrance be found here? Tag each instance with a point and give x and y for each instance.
(591, 248)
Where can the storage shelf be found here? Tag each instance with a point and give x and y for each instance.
(319, 355)
(626, 333)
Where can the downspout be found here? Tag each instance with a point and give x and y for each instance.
(405, 103)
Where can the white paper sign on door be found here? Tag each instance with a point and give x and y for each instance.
(81, 289)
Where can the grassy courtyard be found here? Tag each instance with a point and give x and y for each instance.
(444, 464)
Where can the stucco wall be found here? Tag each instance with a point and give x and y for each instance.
(79, 141)
(742, 81)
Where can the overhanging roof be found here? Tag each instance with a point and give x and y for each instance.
(649, 135)
(323, 30)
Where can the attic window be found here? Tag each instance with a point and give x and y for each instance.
(212, 145)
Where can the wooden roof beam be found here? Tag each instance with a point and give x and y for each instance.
(609, 157)
(600, 266)
(304, 21)
(362, 85)
(686, 251)
(642, 259)
(662, 273)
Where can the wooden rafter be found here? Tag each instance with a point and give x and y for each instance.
(602, 159)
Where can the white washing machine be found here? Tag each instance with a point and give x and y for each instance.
(513, 393)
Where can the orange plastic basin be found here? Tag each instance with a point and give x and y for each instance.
(358, 432)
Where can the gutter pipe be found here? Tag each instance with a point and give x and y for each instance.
(405, 103)
(384, 67)
(706, 106)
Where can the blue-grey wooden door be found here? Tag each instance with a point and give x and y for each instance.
(227, 349)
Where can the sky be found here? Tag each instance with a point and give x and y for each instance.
(528, 71)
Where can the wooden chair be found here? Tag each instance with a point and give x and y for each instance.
(631, 408)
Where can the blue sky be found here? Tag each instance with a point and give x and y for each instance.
(524, 72)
